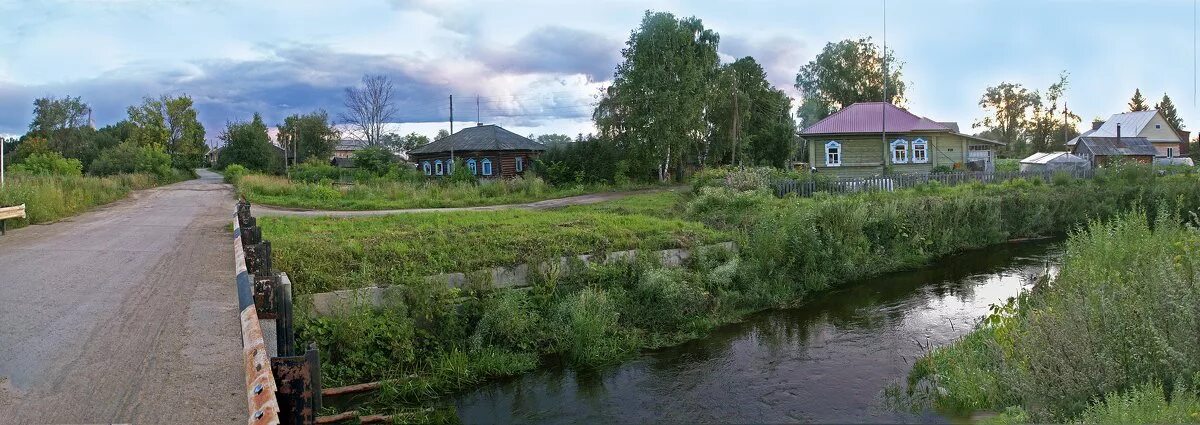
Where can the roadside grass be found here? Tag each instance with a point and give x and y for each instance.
(1117, 325)
(382, 194)
(324, 254)
(50, 198)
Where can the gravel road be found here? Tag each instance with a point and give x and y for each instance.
(127, 313)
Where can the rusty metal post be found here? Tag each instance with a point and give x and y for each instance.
(299, 381)
(284, 334)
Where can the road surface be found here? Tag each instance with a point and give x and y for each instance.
(591, 198)
(124, 314)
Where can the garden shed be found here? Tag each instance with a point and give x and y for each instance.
(1054, 161)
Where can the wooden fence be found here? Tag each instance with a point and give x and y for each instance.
(845, 185)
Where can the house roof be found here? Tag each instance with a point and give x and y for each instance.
(1072, 142)
(1132, 124)
(868, 117)
(1049, 157)
(350, 145)
(1123, 146)
(953, 126)
(481, 138)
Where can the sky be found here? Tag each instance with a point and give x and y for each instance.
(536, 66)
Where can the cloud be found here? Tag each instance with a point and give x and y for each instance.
(780, 55)
(301, 78)
(557, 49)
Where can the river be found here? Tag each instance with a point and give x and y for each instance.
(828, 360)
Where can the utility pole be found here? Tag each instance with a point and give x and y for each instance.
(883, 128)
(1, 162)
(477, 119)
(451, 127)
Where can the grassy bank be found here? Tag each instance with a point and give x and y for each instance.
(437, 340)
(382, 194)
(1110, 340)
(50, 198)
(325, 254)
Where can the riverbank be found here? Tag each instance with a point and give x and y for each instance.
(1112, 339)
(438, 340)
(51, 198)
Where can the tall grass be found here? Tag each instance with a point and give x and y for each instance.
(49, 198)
(1123, 313)
(378, 194)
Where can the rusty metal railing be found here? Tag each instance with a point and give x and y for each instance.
(284, 388)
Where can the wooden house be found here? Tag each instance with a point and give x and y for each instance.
(1103, 151)
(488, 151)
(1168, 142)
(876, 138)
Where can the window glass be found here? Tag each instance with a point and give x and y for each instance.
(472, 167)
(920, 151)
(425, 167)
(520, 164)
(899, 151)
(437, 167)
(487, 167)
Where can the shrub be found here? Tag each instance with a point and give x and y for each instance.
(131, 158)
(314, 170)
(663, 299)
(363, 344)
(376, 160)
(48, 164)
(234, 173)
(588, 330)
(1144, 404)
(509, 322)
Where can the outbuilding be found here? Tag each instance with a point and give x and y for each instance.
(1102, 151)
(1054, 161)
(488, 151)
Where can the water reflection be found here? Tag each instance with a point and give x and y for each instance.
(826, 361)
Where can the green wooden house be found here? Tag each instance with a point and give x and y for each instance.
(876, 138)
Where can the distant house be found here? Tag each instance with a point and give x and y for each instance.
(486, 150)
(1054, 161)
(1168, 141)
(346, 147)
(1102, 151)
(852, 142)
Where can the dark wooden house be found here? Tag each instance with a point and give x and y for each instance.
(488, 151)
(1102, 151)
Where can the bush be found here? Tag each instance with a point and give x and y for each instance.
(663, 300)
(234, 173)
(48, 164)
(361, 345)
(508, 322)
(131, 158)
(1144, 404)
(588, 330)
(376, 160)
(315, 170)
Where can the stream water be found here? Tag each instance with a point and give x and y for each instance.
(826, 361)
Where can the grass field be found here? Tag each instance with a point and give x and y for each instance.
(383, 195)
(324, 254)
(49, 198)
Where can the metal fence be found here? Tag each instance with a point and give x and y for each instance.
(846, 185)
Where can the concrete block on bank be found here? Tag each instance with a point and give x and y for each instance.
(328, 303)
(503, 277)
(673, 257)
(622, 256)
(454, 280)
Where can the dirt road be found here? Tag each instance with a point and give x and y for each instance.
(591, 198)
(124, 314)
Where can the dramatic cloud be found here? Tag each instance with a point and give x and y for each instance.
(561, 50)
(780, 55)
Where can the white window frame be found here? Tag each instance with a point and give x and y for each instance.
(487, 166)
(833, 159)
(471, 165)
(924, 151)
(1170, 152)
(425, 166)
(899, 143)
(520, 164)
(438, 168)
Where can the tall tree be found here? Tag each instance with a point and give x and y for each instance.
(848, 72)
(170, 122)
(1007, 105)
(553, 139)
(1138, 102)
(1167, 108)
(309, 135)
(655, 108)
(1048, 128)
(51, 114)
(370, 107)
(405, 143)
(751, 120)
(441, 134)
(247, 144)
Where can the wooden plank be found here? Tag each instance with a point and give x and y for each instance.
(12, 212)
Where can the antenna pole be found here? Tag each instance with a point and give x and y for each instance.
(883, 107)
(452, 127)
(477, 119)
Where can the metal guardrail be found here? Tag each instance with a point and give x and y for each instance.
(845, 185)
(7, 213)
(283, 389)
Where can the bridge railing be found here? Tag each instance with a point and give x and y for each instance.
(281, 387)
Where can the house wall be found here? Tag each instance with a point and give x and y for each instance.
(864, 155)
(504, 163)
(1162, 135)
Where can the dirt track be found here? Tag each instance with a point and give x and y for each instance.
(124, 314)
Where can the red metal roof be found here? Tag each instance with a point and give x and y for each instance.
(867, 117)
